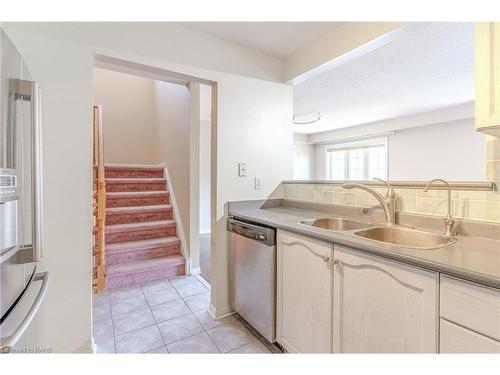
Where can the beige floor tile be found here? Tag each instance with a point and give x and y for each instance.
(179, 281)
(179, 328)
(156, 286)
(161, 350)
(101, 312)
(255, 347)
(170, 310)
(162, 296)
(102, 329)
(231, 336)
(200, 343)
(105, 346)
(129, 304)
(198, 302)
(116, 295)
(190, 289)
(132, 321)
(141, 341)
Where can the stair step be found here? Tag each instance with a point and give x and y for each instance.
(139, 231)
(121, 275)
(133, 251)
(120, 215)
(118, 170)
(136, 198)
(135, 184)
(122, 247)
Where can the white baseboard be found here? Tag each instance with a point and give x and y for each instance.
(204, 282)
(220, 313)
(195, 271)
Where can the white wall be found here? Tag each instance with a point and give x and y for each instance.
(129, 117)
(205, 132)
(172, 110)
(303, 159)
(253, 125)
(205, 155)
(451, 150)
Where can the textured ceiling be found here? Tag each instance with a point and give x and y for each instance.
(429, 67)
(278, 39)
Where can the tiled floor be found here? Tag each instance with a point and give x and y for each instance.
(166, 316)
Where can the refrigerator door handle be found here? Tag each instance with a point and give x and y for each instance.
(37, 172)
(30, 91)
(6, 343)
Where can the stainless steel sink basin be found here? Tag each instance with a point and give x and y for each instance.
(406, 237)
(336, 223)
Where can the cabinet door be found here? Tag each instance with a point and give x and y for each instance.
(456, 339)
(382, 306)
(304, 314)
(487, 62)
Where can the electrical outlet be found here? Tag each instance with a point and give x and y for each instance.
(349, 198)
(257, 183)
(242, 169)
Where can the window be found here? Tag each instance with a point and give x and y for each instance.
(357, 161)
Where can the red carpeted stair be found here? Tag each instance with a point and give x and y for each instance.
(141, 240)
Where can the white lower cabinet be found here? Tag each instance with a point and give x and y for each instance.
(470, 317)
(340, 300)
(381, 306)
(457, 339)
(304, 295)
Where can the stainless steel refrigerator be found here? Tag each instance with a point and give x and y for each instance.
(22, 287)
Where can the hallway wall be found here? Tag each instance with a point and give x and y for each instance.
(129, 117)
(172, 116)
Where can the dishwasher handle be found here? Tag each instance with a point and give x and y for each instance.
(264, 235)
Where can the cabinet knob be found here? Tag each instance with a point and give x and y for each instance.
(331, 261)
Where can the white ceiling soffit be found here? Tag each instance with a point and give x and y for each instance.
(278, 39)
(422, 69)
(127, 67)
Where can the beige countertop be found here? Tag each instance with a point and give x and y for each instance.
(475, 259)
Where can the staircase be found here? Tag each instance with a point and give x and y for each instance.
(140, 233)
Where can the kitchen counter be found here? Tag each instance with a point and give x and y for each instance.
(476, 259)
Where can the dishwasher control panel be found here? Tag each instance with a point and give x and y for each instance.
(255, 232)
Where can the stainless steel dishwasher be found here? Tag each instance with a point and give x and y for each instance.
(252, 275)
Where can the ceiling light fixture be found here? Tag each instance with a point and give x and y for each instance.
(316, 119)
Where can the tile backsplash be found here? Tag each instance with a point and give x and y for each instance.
(467, 204)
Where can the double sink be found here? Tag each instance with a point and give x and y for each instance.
(396, 235)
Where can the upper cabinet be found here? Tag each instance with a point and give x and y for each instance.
(487, 62)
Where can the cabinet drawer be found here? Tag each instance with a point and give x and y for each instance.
(471, 305)
(456, 339)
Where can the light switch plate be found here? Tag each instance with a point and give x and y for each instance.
(257, 183)
(242, 169)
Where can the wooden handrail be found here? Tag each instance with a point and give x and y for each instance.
(100, 189)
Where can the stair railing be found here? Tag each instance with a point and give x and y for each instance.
(99, 282)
